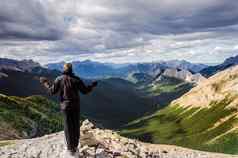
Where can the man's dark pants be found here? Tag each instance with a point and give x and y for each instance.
(71, 114)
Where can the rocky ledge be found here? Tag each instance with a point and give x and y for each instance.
(97, 143)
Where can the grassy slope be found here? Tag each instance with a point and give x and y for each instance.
(193, 127)
(28, 117)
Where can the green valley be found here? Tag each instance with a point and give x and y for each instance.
(166, 89)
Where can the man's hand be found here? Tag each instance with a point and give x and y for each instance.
(43, 80)
(94, 84)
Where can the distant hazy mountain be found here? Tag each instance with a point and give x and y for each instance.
(211, 70)
(91, 69)
(231, 60)
(18, 65)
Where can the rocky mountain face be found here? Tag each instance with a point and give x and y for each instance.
(183, 64)
(97, 143)
(216, 88)
(184, 75)
(211, 70)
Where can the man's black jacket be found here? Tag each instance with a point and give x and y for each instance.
(68, 85)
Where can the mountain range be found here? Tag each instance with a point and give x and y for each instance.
(95, 70)
(91, 69)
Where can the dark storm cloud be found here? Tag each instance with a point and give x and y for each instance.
(165, 17)
(137, 30)
(122, 23)
(27, 20)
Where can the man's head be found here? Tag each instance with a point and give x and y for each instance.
(68, 68)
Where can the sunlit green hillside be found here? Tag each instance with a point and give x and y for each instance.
(190, 127)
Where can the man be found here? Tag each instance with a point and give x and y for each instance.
(68, 86)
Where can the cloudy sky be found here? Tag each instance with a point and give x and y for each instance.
(119, 31)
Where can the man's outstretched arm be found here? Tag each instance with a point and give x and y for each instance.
(52, 89)
(85, 89)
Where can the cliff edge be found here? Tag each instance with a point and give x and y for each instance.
(97, 143)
